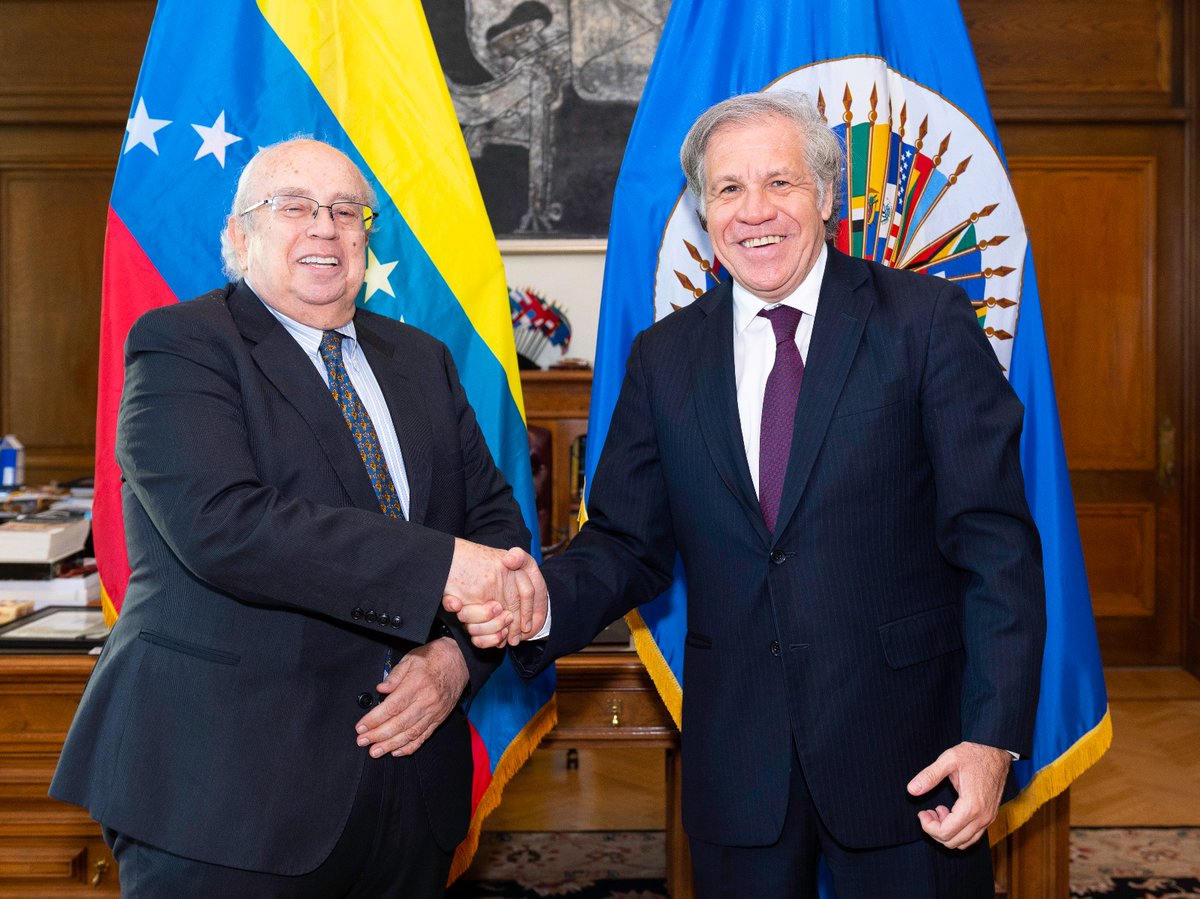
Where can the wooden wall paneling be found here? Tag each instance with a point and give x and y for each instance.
(1120, 546)
(70, 60)
(67, 72)
(1073, 56)
(1096, 216)
(1101, 202)
(1190, 438)
(52, 222)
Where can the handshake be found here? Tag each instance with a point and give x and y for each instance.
(499, 596)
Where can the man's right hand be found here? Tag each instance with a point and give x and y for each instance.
(500, 596)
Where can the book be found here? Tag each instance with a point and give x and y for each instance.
(43, 537)
(12, 609)
(43, 571)
(77, 590)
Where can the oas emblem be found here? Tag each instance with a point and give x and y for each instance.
(924, 188)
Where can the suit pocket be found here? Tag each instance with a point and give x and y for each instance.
(697, 641)
(918, 638)
(888, 394)
(191, 649)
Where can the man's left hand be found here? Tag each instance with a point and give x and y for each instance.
(977, 773)
(419, 693)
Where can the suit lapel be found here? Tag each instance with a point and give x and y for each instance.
(842, 312)
(406, 403)
(286, 366)
(715, 398)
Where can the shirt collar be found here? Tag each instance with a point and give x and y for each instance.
(307, 336)
(746, 305)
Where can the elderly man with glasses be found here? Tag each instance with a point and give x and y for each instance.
(279, 709)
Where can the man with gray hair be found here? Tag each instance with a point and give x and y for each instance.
(278, 710)
(831, 449)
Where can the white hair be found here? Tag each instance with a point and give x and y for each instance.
(823, 151)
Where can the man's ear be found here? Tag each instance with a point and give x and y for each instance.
(237, 237)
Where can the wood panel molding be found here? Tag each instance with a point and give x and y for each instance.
(1075, 55)
(1119, 543)
(1091, 222)
(51, 69)
(50, 270)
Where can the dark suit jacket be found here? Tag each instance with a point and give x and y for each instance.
(899, 607)
(267, 587)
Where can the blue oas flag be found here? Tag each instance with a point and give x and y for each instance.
(926, 189)
(221, 79)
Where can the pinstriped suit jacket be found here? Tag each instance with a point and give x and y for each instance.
(899, 607)
(267, 587)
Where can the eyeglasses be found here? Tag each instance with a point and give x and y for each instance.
(346, 214)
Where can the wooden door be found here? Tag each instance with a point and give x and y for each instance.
(1093, 116)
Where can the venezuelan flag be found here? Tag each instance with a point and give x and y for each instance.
(221, 79)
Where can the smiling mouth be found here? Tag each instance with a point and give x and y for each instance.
(320, 261)
(751, 242)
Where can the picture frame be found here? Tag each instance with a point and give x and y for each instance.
(546, 93)
(56, 629)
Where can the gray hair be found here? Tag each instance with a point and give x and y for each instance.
(823, 151)
(242, 200)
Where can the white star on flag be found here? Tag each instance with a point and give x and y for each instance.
(216, 139)
(377, 275)
(141, 129)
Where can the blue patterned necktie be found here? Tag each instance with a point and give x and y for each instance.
(779, 411)
(360, 425)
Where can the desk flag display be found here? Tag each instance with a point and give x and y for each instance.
(927, 189)
(222, 78)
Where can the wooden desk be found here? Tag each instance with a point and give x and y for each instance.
(49, 849)
(606, 699)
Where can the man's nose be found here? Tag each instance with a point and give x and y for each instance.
(756, 206)
(322, 225)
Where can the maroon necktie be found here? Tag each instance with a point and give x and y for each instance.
(779, 411)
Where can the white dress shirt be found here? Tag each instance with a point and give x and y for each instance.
(365, 384)
(754, 350)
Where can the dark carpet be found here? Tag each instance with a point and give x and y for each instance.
(1106, 863)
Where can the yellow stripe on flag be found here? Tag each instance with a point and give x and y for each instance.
(375, 64)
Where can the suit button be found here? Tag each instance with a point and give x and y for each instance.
(372, 617)
(779, 557)
(365, 701)
(356, 613)
(397, 621)
(774, 647)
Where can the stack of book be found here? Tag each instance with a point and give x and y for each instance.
(41, 559)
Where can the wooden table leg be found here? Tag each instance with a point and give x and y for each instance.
(1035, 861)
(679, 856)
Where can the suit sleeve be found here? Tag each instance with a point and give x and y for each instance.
(185, 452)
(625, 554)
(972, 425)
(493, 519)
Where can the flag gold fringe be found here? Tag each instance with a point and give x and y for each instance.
(106, 603)
(660, 672)
(516, 755)
(1053, 779)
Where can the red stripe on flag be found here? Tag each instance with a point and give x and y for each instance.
(482, 776)
(131, 286)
